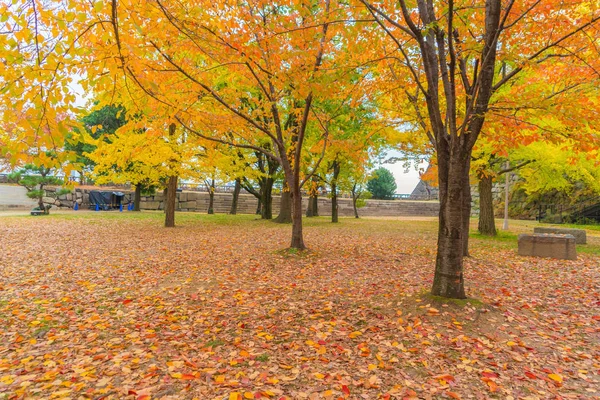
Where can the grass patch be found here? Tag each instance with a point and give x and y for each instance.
(292, 252)
(438, 300)
(502, 236)
(215, 343)
(263, 358)
(588, 249)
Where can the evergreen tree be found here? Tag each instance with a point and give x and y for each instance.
(383, 185)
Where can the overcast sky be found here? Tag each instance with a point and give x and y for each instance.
(405, 180)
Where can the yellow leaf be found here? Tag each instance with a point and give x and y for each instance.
(234, 396)
(511, 344)
(319, 375)
(556, 377)
(176, 375)
(248, 395)
(354, 334)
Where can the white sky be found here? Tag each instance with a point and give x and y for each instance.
(406, 181)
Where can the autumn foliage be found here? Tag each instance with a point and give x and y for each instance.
(308, 85)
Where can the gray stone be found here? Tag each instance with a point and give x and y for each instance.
(548, 245)
(150, 205)
(579, 234)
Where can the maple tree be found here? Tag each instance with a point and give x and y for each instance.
(237, 77)
(255, 74)
(452, 58)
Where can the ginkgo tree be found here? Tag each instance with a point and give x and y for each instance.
(145, 154)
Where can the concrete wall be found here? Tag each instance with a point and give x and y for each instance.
(198, 202)
(14, 197)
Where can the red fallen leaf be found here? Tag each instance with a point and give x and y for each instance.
(345, 390)
(131, 392)
(446, 377)
(453, 395)
(489, 374)
(188, 377)
(127, 301)
(530, 375)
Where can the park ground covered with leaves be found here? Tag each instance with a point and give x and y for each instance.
(114, 306)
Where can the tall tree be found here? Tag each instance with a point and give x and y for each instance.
(238, 69)
(456, 57)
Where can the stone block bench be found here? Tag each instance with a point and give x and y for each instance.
(580, 236)
(548, 245)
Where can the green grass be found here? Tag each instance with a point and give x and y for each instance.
(502, 236)
(457, 302)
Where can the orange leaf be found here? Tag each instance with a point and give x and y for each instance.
(492, 385)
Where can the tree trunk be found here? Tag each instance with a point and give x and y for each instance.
(309, 207)
(312, 210)
(466, 207)
(296, 200)
(259, 207)
(211, 200)
(448, 280)
(137, 197)
(334, 203)
(354, 201)
(170, 200)
(487, 224)
(266, 199)
(285, 208)
(236, 195)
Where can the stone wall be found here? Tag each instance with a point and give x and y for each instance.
(198, 202)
